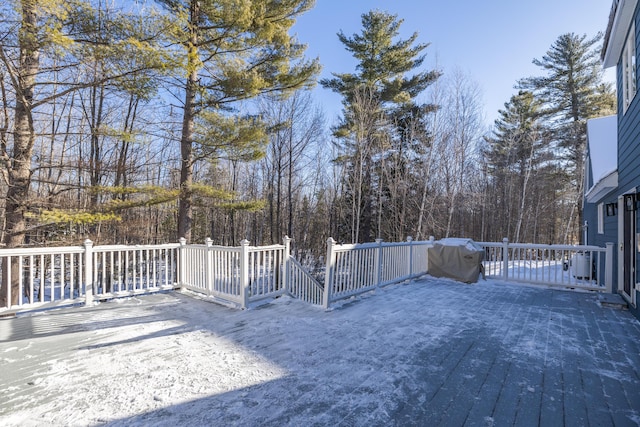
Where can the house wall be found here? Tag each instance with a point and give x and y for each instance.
(629, 133)
(610, 235)
(629, 142)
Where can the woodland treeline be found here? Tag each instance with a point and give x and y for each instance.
(141, 123)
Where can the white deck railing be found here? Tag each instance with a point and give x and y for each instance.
(245, 275)
(303, 285)
(238, 275)
(46, 277)
(583, 267)
(356, 268)
(127, 270)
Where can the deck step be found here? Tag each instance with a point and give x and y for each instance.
(613, 301)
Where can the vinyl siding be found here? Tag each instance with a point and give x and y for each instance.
(629, 135)
(590, 214)
(629, 141)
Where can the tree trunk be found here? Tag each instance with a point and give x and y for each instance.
(290, 166)
(23, 138)
(121, 178)
(523, 194)
(95, 152)
(185, 210)
(278, 191)
(232, 214)
(366, 224)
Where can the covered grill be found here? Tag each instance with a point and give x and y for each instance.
(456, 258)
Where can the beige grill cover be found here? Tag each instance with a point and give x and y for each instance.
(459, 259)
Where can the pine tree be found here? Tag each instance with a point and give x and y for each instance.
(515, 154)
(42, 38)
(231, 50)
(380, 108)
(572, 91)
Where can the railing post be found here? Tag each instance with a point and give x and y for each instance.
(88, 271)
(505, 258)
(431, 241)
(608, 268)
(329, 271)
(6, 277)
(285, 264)
(208, 265)
(182, 263)
(378, 262)
(244, 272)
(410, 241)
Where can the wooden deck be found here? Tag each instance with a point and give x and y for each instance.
(431, 352)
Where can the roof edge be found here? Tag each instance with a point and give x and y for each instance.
(601, 188)
(619, 21)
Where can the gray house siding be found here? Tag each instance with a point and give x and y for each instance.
(629, 132)
(629, 144)
(610, 235)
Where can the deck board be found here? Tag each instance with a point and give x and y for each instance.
(431, 352)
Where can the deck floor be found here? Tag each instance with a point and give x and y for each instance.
(431, 352)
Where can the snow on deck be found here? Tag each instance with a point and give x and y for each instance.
(430, 352)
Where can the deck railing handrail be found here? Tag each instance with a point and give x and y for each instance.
(243, 275)
(302, 285)
(353, 269)
(585, 267)
(41, 251)
(544, 246)
(62, 275)
(99, 248)
(237, 275)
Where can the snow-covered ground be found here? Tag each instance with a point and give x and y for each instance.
(422, 353)
(552, 272)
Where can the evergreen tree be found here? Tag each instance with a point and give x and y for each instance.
(516, 154)
(380, 109)
(41, 39)
(572, 91)
(231, 50)
(513, 135)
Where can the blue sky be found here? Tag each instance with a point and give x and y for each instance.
(492, 41)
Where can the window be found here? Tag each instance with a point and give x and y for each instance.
(601, 218)
(629, 69)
